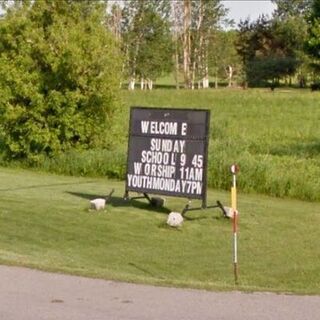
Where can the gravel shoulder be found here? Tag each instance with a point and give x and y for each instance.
(27, 294)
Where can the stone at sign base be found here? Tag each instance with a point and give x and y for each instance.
(98, 204)
(230, 212)
(175, 219)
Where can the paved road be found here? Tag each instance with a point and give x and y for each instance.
(33, 295)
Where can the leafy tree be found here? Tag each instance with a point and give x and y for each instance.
(147, 40)
(313, 40)
(156, 33)
(200, 19)
(224, 62)
(205, 18)
(155, 52)
(291, 8)
(291, 16)
(59, 73)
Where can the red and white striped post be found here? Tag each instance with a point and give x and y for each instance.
(234, 170)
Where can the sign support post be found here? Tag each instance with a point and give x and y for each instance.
(168, 154)
(234, 171)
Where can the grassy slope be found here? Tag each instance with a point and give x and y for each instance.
(274, 136)
(45, 223)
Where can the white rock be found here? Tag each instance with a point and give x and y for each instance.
(230, 212)
(175, 219)
(98, 204)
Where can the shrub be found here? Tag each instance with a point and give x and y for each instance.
(59, 74)
(315, 86)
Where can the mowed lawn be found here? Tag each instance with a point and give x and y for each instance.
(45, 223)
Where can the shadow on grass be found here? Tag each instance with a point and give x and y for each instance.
(87, 196)
(143, 204)
(213, 215)
(121, 202)
(303, 150)
(144, 270)
(46, 186)
(196, 218)
(166, 86)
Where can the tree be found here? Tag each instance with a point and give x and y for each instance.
(177, 26)
(291, 15)
(157, 34)
(147, 41)
(187, 43)
(114, 20)
(270, 49)
(223, 61)
(290, 35)
(313, 39)
(59, 74)
(291, 8)
(155, 54)
(207, 16)
(194, 22)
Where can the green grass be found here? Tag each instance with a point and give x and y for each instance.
(273, 136)
(45, 223)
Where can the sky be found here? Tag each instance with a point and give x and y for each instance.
(241, 9)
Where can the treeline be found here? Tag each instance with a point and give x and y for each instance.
(189, 39)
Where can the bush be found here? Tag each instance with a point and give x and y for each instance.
(59, 74)
(315, 86)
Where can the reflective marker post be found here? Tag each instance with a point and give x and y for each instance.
(234, 170)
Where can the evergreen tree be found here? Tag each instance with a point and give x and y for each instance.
(269, 49)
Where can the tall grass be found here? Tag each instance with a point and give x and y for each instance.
(92, 163)
(273, 136)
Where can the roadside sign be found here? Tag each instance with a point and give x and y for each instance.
(168, 152)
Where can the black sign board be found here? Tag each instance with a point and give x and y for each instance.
(168, 151)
